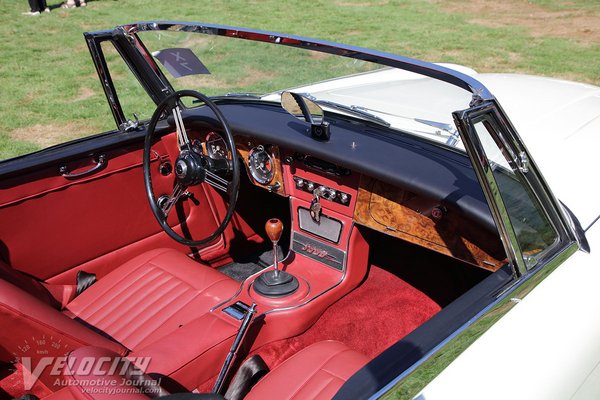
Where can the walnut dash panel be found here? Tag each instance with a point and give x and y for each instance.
(405, 215)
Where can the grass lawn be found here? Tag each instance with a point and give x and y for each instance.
(51, 92)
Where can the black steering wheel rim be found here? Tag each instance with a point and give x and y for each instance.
(232, 188)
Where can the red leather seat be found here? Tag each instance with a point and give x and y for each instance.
(151, 296)
(316, 372)
(135, 305)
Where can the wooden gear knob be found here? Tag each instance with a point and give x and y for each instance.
(274, 228)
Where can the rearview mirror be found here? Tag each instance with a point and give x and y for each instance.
(303, 108)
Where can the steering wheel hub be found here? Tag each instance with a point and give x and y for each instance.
(181, 169)
(190, 168)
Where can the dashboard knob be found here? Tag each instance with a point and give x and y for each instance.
(310, 186)
(165, 168)
(344, 198)
(331, 194)
(299, 183)
(438, 212)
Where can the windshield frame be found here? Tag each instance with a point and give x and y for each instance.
(159, 87)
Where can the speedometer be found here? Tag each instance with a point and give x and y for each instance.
(261, 165)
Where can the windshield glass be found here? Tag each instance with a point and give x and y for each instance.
(220, 65)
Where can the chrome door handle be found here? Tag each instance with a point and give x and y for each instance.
(101, 163)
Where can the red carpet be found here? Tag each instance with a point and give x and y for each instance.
(377, 314)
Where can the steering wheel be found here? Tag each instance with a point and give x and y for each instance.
(192, 167)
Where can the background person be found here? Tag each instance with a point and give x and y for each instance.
(36, 7)
(73, 4)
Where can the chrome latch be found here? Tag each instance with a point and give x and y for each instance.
(130, 125)
(523, 162)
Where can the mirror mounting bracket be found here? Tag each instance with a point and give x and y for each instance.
(320, 131)
(304, 108)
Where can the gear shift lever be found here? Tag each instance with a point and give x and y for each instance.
(275, 283)
(274, 229)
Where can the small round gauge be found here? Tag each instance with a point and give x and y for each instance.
(215, 146)
(261, 165)
(197, 146)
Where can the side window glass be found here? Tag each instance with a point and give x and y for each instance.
(131, 94)
(533, 229)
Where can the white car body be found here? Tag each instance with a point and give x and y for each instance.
(547, 346)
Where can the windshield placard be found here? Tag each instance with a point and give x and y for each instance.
(181, 62)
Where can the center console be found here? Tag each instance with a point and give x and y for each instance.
(328, 256)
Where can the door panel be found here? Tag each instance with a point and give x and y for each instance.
(51, 224)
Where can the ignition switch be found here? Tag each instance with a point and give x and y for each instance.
(315, 204)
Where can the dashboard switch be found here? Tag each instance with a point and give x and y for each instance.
(344, 198)
(323, 192)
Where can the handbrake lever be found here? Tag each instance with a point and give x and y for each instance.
(234, 348)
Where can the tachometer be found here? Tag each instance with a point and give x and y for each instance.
(261, 165)
(215, 146)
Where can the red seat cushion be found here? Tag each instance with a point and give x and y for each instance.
(151, 296)
(316, 372)
(143, 304)
(108, 377)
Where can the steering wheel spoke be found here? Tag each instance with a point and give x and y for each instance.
(182, 137)
(216, 181)
(178, 191)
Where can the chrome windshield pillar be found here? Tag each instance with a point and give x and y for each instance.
(483, 170)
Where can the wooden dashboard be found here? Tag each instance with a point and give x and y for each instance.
(396, 212)
(424, 222)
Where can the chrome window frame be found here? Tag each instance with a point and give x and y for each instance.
(515, 151)
(144, 67)
(94, 43)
